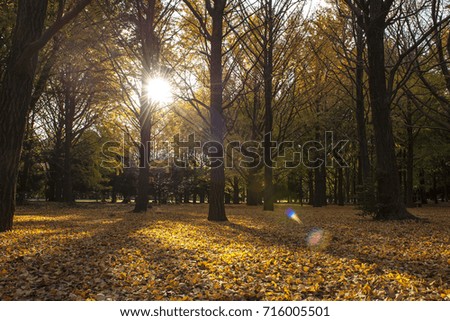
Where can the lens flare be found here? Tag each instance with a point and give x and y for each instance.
(292, 215)
(318, 238)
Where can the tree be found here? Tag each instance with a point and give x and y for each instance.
(215, 37)
(150, 47)
(273, 37)
(390, 204)
(139, 27)
(16, 86)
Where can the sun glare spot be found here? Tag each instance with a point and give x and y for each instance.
(159, 90)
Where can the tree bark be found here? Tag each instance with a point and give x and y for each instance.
(69, 116)
(409, 188)
(301, 193)
(310, 187)
(435, 190)
(144, 169)
(150, 64)
(317, 202)
(27, 155)
(268, 116)
(340, 188)
(422, 187)
(217, 173)
(253, 198)
(390, 204)
(360, 106)
(236, 190)
(15, 97)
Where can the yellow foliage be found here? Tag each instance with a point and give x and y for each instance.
(107, 253)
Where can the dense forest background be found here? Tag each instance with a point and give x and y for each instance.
(75, 77)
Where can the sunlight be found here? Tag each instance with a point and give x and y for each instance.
(159, 90)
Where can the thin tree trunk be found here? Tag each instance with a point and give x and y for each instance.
(409, 188)
(27, 161)
(202, 197)
(268, 116)
(360, 109)
(341, 201)
(347, 185)
(422, 187)
(144, 169)
(252, 189)
(317, 202)
(68, 129)
(236, 190)
(435, 190)
(114, 194)
(310, 187)
(323, 187)
(335, 188)
(301, 193)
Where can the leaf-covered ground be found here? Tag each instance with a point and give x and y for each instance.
(104, 252)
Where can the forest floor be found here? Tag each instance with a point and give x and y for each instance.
(104, 252)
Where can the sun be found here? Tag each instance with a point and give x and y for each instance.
(159, 90)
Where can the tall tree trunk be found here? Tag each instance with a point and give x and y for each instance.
(409, 188)
(202, 197)
(236, 190)
(186, 197)
(150, 64)
(335, 187)
(422, 187)
(435, 190)
(443, 61)
(317, 202)
(268, 116)
(217, 174)
(390, 204)
(252, 189)
(310, 187)
(360, 109)
(340, 192)
(144, 167)
(301, 193)
(15, 97)
(68, 129)
(27, 155)
(114, 194)
(347, 185)
(28, 143)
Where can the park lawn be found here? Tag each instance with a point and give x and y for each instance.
(105, 252)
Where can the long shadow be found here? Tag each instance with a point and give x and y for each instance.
(93, 266)
(53, 274)
(342, 247)
(433, 271)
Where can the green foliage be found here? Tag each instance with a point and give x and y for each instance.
(87, 173)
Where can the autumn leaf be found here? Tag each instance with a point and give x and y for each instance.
(84, 253)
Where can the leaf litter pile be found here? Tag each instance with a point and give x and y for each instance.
(104, 252)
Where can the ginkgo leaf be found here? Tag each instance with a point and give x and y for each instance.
(85, 254)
